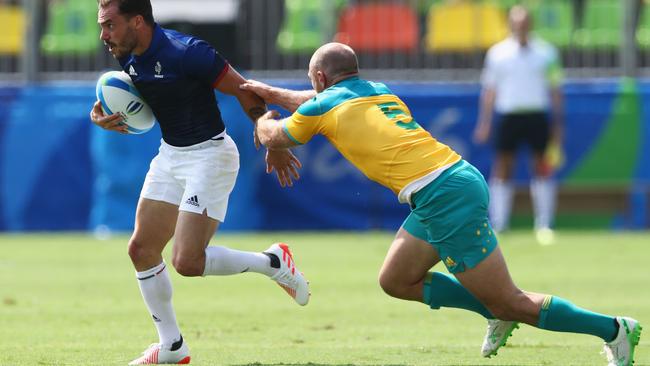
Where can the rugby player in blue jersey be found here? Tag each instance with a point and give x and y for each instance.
(185, 193)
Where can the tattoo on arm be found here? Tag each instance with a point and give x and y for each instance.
(256, 112)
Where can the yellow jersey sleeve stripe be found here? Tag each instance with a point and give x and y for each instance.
(286, 130)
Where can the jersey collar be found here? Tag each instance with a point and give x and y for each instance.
(156, 41)
(352, 78)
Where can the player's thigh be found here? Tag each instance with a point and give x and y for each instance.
(408, 260)
(454, 211)
(491, 283)
(209, 174)
(193, 233)
(155, 222)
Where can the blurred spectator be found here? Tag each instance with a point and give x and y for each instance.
(521, 80)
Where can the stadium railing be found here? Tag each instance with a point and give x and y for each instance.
(443, 39)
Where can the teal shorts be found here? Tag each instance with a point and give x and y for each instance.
(451, 213)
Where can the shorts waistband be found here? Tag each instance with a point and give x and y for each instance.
(213, 141)
(431, 187)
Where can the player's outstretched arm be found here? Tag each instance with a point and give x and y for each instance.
(112, 122)
(252, 104)
(271, 133)
(281, 160)
(285, 98)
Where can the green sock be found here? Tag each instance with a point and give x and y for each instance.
(560, 315)
(441, 290)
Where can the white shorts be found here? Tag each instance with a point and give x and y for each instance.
(197, 178)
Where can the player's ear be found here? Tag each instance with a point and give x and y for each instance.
(321, 78)
(139, 21)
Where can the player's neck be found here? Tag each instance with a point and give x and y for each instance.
(343, 77)
(144, 41)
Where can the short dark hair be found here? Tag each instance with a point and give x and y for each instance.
(131, 8)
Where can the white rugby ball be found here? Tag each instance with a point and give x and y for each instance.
(117, 94)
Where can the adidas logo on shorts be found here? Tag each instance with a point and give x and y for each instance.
(194, 201)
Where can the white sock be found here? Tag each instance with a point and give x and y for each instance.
(543, 192)
(501, 196)
(156, 289)
(221, 261)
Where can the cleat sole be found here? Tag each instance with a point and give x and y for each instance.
(635, 336)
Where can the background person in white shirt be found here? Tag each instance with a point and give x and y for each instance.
(522, 83)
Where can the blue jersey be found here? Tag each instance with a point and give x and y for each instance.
(176, 76)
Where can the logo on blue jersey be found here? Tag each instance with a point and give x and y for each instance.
(134, 107)
(158, 70)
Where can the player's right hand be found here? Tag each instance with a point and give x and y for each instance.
(285, 164)
(112, 122)
(481, 133)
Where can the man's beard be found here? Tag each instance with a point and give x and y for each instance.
(123, 50)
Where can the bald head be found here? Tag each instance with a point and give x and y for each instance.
(335, 60)
(520, 23)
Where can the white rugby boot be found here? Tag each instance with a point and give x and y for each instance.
(497, 334)
(157, 355)
(287, 275)
(620, 351)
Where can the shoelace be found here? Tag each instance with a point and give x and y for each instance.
(287, 279)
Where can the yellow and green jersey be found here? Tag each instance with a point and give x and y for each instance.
(375, 131)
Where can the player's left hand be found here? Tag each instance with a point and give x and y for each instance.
(262, 90)
(285, 164)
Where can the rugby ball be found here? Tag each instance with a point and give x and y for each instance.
(117, 94)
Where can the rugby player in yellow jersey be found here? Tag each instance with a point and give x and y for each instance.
(448, 197)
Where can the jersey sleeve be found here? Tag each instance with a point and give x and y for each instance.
(554, 73)
(204, 63)
(489, 73)
(304, 123)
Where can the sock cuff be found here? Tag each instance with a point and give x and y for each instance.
(151, 272)
(543, 312)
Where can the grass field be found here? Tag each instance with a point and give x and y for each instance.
(73, 300)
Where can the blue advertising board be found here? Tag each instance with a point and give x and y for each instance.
(59, 172)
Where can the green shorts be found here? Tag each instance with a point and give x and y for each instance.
(451, 213)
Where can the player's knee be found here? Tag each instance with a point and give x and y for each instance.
(187, 266)
(138, 251)
(390, 285)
